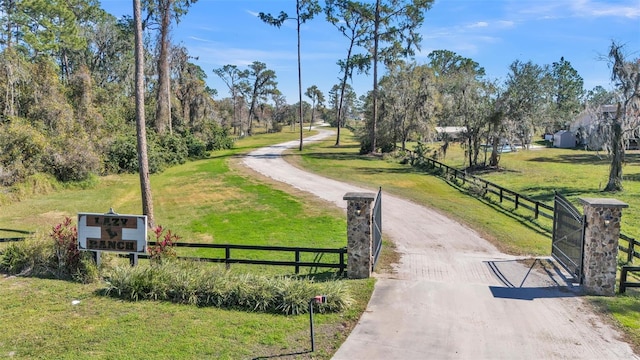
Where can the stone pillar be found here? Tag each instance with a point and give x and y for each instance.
(359, 234)
(601, 236)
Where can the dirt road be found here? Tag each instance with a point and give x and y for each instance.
(453, 295)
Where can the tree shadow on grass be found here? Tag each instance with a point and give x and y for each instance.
(631, 177)
(584, 158)
(322, 276)
(377, 171)
(340, 156)
(545, 193)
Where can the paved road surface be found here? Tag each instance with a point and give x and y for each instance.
(453, 295)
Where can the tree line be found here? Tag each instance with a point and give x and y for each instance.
(68, 89)
(451, 90)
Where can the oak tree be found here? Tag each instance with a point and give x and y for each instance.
(625, 75)
(317, 99)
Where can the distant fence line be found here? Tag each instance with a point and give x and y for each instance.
(519, 200)
(17, 238)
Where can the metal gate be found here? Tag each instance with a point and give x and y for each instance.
(568, 236)
(377, 227)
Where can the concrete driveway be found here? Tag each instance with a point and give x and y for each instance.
(453, 295)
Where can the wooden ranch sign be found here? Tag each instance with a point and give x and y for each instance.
(112, 232)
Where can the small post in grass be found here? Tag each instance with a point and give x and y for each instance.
(320, 299)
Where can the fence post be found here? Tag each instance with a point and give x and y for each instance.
(359, 234)
(601, 238)
(631, 250)
(623, 280)
(133, 259)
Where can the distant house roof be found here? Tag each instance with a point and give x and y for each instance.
(587, 117)
(450, 129)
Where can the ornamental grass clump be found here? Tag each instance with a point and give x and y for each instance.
(202, 284)
(53, 255)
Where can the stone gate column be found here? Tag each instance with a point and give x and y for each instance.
(601, 236)
(359, 234)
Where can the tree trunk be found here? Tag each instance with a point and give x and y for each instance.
(495, 158)
(617, 152)
(313, 113)
(376, 37)
(343, 86)
(252, 110)
(145, 183)
(299, 71)
(163, 110)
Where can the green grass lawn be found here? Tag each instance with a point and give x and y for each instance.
(213, 201)
(39, 321)
(217, 201)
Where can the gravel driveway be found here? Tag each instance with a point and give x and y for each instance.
(454, 295)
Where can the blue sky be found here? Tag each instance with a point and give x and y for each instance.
(494, 33)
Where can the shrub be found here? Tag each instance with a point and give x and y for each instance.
(421, 155)
(30, 257)
(174, 149)
(72, 160)
(276, 126)
(65, 247)
(14, 258)
(196, 148)
(56, 255)
(122, 155)
(23, 148)
(69, 262)
(163, 249)
(217, 137)
(476, 189)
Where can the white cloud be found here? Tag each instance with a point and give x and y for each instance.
(220, 54)
(577, 8)
(590, 8)
(199, 39)
(479, 24)
(505, 23)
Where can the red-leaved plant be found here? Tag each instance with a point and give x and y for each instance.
(164, 247)
(65, 244)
